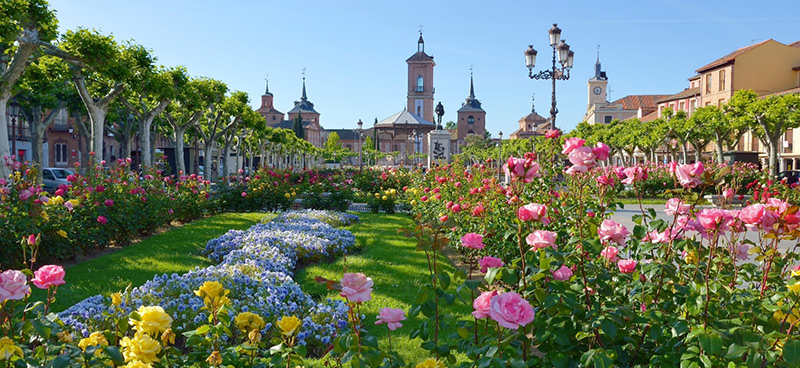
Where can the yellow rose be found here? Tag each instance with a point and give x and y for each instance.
(74, 202)
(141, 347)
(413, 202)
(286, 195)
(213, 294)
(247, 321)
(116, 299)
(691, 258)
(168, 337)
(289, 325)
(153, 320)
(431, 363)
(9, 350)
(55, 201)
(794, 288)
(384, 198)
(137, 364)
(45, 216)
(795, 271)
(95, 339)
(62, 233)
(214, 359)
(394, 191)
(64, 336)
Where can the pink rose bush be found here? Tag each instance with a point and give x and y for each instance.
(391, 317)
(540, 239)
(483, 304)
(562, 274)
(509, 310)
(47, 276)
(13, 286)
(472, 241)
(489, 261)
(356, 287)
(533, 212)
(611, 231)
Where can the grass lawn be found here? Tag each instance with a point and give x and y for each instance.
(397, 270)
(176, 250)
(644, 201)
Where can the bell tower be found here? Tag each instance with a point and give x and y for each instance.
(420, 82)
(598, 85)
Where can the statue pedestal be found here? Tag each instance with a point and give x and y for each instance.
(438, 147)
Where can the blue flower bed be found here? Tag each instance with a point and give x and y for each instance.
(257, 266)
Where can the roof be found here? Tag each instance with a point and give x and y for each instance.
(636, 102)
(270, 110)
(696, 76)
(689, 92)
(787, 91)
(649, 117)
(796, 44)
(304, 105)
(420, 56)
(404, 118)
(472, 104)
(288, 124)
(727, 59)
(345, 134)
(533, 116)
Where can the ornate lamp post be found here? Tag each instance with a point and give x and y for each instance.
(499, 156)
(565, 58)
(360, 145)
(13, 112)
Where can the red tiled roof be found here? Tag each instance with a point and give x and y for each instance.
(786, 91)
(649, 117)
(635, 102)
(731, 57)
(796, 44)
(689, 92)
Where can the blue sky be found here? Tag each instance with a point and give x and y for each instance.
(354, 51)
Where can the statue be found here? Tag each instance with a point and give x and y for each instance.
(439, 113)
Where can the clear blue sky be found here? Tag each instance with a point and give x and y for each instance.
(355, 51)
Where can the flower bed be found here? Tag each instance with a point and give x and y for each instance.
(257, 267)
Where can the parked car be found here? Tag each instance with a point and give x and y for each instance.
(792, 177)
(52, 177)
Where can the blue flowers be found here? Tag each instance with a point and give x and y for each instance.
(256, 265)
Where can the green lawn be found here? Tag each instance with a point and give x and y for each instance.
(644, 201)
(396, 268)
(176, 250)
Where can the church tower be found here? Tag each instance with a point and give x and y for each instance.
(598, 85)
(471, 116)
(420, 82)
(267, 109)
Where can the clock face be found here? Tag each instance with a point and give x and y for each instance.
(597, 90)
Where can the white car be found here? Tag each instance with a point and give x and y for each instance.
(52, 177)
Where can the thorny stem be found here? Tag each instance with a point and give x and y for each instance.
(708, 274)
(768, 267)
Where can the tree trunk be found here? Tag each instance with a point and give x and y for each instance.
(207, 160)
(177, 136)
(226, 152)
(152, 150)
(718, 142)
(8, 78)
(37, 140)
(773, 155)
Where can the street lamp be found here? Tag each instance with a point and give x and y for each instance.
(565, 58)
(360, 145)
(13, 112)
(499, 155)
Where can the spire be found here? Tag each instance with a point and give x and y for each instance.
(533, 103)
(304, 98)
(598, 73)
(266, 92)
(420, 42)
(471, 87)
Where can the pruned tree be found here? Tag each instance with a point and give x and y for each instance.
(221, 118)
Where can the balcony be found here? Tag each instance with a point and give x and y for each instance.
(23, 133)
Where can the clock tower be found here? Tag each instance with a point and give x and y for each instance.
(597, 85)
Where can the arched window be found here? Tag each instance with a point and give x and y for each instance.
(420, 84)
(470, 119)
(470, 132)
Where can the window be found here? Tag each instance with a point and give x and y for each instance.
(470, 120)
(470, 132)
(693, 106)
(607, 119)
(47, 174)
(720, 102)
(682, 106)
(420, 84)
(708, 83)
(61, 153)
(722, 80)
(61, 120)
(273, 117)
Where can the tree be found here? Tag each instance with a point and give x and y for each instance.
(768, 117)
(450, 125)
(26, 26)
(333, 147)
(725, 130)
(221, 118)
(297, 126)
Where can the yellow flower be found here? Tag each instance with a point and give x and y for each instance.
(168, 337)
(45, 216)
(137, 364)
(55, 201)
(413, 202)
(431, 363)
(116, 299)
(62, 233)
(794, 288)
(141, 347)
(394, 191)
(8, 350)
(153, 320)
(289, 325)
(691, 258)
(213, 294)
(64, 336)
(384, 198)
(248, 321)
(254, 336)
(95, 339)
(74, 202)
(795, 272)
(286, 195)
(214, 359)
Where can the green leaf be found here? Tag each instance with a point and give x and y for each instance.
(735, 352)
(473, 284)
(115, 355)
(706, 362)
(491, 274)
(711, 343)
(444, 280)
(609, 328)
(791, 352)
(62, 361)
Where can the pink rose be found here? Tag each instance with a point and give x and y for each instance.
(675, 206)
(689, 175)
(610, 253)
(562, 274)
(533, 212)
(571, 144)
(102, 220)
(483, 304)
(582, 156)
(13, 285)
(486, 262)
(244, 194)
(473, 241)
(525, 168)
(32, 239)
(47, 276)
(742, 252)
(634, 174)
(711, 218)
(391, 317)
(604, 180)
(576, 169)
(727, 193)
(610, 230)
(601, 151)
(552, 133)
(626, 265)
(109, 202)
(356, 287)
(541, 239)
(510, 310)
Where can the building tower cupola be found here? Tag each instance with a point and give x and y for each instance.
(420, 43)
